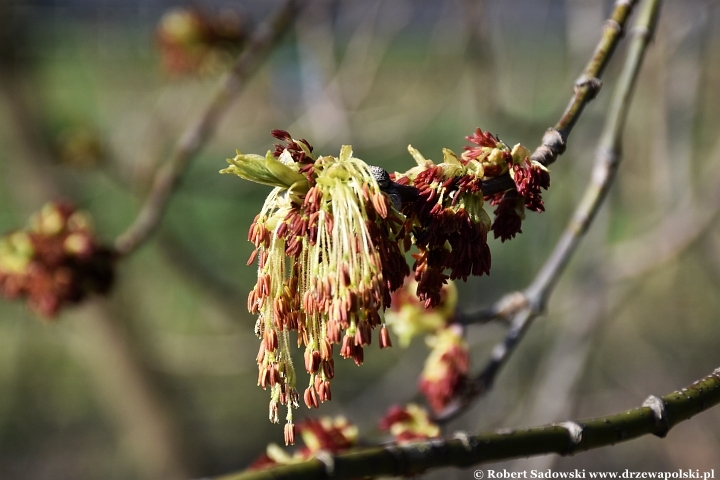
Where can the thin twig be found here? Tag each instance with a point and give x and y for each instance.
(197, 134)
(586, 88)
(606, 163)
(656, 415)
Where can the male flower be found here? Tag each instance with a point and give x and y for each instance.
(325, 434)
(447, 222)
(327, 245)
(55, 261)
(408, 423)
(191, 41)
(446, 368)
(408, 317)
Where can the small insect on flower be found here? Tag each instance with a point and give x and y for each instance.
(327, 242)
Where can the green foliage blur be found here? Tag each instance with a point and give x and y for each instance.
(159, 381)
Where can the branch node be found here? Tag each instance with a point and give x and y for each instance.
(465, 439)
(510, 304)
(624, 3)
(607, 157)
(612, 24)
(662, 422)
(591, 84)
(328, 461)
(575, 431)
(640, 31)
(553, 144)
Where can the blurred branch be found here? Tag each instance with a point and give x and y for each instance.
(656, 416)
(224, 293)
(675, 234)
(199, 132)
(585, 89)
(606, 163)
(147, 419)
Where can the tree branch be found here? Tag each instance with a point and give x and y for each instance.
(585, 89)
(656, 416)
(606, 163)
(197, 134)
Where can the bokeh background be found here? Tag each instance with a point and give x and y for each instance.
(159, 380)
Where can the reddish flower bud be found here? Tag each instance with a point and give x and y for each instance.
(385, 338)
(289, 433)
(310, 398)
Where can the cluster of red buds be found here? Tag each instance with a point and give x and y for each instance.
(194, 42)
(447, 221)
(325, 434)
(56, 261)
(409, 423)
(327, 242)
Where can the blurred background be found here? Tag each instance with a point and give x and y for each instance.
(159, 380)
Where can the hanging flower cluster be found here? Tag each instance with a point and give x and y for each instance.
(447, 221)
(325, 434)
(446, 369)
(409, 423)
(328, 245)
(408, 317)
(328, 250)
(56, 261)
(193, 42)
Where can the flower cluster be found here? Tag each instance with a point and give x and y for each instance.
(327, 242)
(409, 423)
(447, 221)
(56, 261)
(528, 175)
(446, 368)
(328, 245)
(408, 317)
(332, 435)
(193, 42)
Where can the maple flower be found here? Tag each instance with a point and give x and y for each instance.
(444, 185)
(529, 177)
(447, 221)
(324, 434)
(446, 368)
(55, 261)
(328, 250)
(409, 423)
(509, 214)
(191, 41)
(408, 317)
